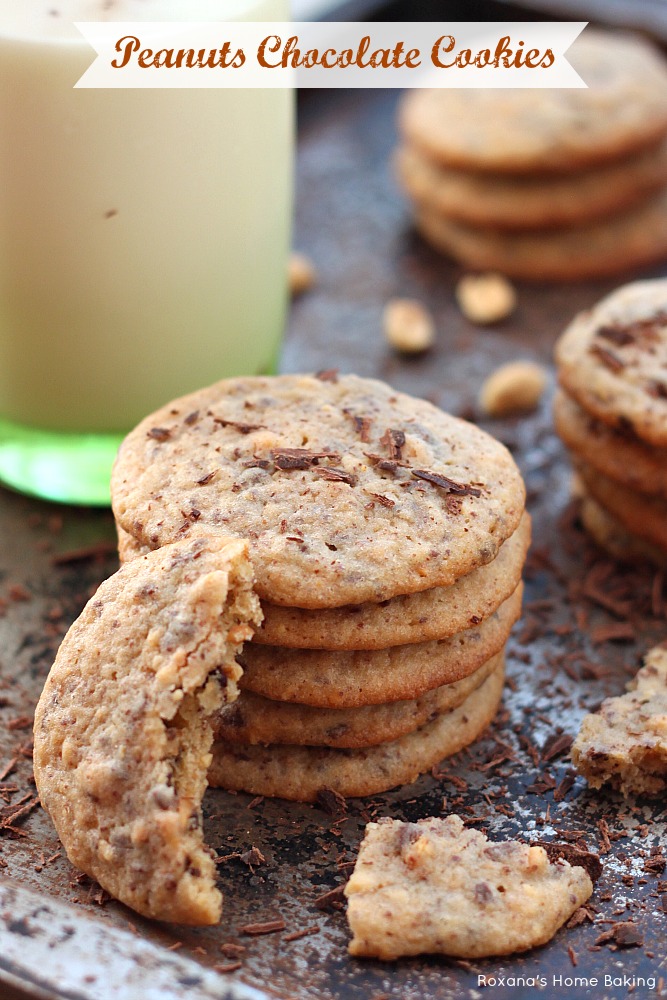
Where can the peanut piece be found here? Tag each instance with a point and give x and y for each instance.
(513, 388)
(301, 273)
(485, 298)
(408, 326)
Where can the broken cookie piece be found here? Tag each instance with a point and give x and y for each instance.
(435, 887)
(122, 731)
(625, 742)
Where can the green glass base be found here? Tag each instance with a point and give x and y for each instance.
(67, 468)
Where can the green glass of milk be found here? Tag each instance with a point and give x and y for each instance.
(143, 240)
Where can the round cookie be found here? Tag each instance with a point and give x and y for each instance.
(520, 202)
(620, 243)
(122, 728)
(355, 678)
(299, 773)
(623, 109)
(617, 455)
(611, 536)
(254, 719)
(642, 516)
(411, 618)
(613, 360)
(347, 490)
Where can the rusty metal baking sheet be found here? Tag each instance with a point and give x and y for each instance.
(587, 623)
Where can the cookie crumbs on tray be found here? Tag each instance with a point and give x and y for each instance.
(516, 387)
(437, 887)
(625, 743)
(408, 326)
(485, 298)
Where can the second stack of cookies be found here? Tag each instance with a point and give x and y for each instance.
(388, 540)
(611, 412)
(545, 184)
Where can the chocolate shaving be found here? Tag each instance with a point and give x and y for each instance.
(543, 784)
(608, 358)
(240, 427)
(655, 865)
(257, 463)
(605, 840)
(579, 917)
(159, 433)
(574, 857)
(658, 390)
(232, 950)
(205, 480)
(192, 418)
(362, 425)
(338, 476)
(305, 932)
(328, 375)
(332, 900)
(619, 335)
(460, 489)
(264, 927)
(386, 464)
(394, 442)
(383, 500)
(22, 722)
(624, 935)
(331, 801)
(613, 632)
(564, 786)
(300, 458)
(192, 515)
(10, 815)
(556, 745)
(252, 858)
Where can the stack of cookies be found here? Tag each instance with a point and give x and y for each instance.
(387, 539)
(611, 412)
(546, 184)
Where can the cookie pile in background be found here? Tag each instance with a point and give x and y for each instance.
(545, 184)
(611, 412)
(387, 539)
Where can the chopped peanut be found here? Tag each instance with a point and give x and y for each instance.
(485, 298)
(513, 388)
(301, 273)
(408, 326)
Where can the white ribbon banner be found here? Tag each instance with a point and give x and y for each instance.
(330, 54)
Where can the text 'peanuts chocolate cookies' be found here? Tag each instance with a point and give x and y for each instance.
(388, 540)
(611, 412)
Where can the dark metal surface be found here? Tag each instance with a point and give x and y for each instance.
(352, 221)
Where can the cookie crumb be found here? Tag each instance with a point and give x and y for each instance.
(408, 326)
(485, 298)
(516, 387)
(301, 273)
(624, 743)
(437, 887)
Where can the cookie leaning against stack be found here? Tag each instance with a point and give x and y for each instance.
(546, 184)
(387, 540)
(611, 412)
